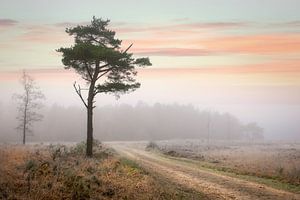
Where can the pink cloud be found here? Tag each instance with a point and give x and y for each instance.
(181, 26)
(7, 22)
(212, 25)
(183, 39)
(44, 34)
(240, 44)
(282, 67)
(171, 52)
(53, 75)
(289, 23)
(253, 44)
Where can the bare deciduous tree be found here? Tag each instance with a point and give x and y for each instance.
(28, 104)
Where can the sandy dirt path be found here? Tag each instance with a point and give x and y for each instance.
(213, 185)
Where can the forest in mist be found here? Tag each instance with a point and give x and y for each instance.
(126, 122)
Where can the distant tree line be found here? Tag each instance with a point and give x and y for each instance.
(146, 122)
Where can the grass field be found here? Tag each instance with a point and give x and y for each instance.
(63, 172)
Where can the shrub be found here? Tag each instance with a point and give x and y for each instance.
(129, 163)
(30, 165)
(77, 185)
(58, 151)
(80, 148)
(152, 146)
(294, 175)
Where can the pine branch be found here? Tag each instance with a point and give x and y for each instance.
(88, 70)
(105, 72)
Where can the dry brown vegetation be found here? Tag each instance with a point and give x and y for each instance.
(279, 161)
(61, 172)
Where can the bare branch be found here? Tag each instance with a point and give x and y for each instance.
(78, 91)
(128, 48)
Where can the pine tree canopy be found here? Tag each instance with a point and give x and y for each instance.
(98, 54)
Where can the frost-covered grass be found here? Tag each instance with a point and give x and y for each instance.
(278, 161)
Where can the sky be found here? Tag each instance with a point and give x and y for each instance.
(233, 55)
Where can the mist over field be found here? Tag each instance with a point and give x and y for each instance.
(158, 121)
(271, 108)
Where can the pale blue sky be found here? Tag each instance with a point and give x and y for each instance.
(51, 11)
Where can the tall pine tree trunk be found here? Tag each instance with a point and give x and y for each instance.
(90, 107)
(89, 140)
